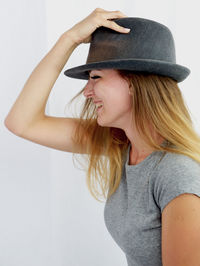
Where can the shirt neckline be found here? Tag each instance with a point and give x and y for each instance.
(143, 162)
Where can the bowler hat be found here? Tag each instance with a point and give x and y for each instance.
(148, 48)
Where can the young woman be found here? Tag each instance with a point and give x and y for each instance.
(134, 128)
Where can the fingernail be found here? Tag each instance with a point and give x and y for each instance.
(126, 29)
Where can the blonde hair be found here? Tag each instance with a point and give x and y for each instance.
(155, 98)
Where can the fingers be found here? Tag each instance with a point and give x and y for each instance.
(108, 16)
(119, 13)
(116, 12)
(113, 25)
(116, 27)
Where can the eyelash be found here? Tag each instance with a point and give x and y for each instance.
(94, 77)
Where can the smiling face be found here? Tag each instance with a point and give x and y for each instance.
(108, 87)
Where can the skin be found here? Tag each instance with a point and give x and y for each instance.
(111, 89)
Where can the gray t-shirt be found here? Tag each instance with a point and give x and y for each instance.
(133, 213)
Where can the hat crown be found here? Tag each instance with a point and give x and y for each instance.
(147, 39)
(147, 48)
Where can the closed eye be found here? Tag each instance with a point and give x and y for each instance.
(95, 77)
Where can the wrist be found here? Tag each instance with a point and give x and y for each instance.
(68, 35)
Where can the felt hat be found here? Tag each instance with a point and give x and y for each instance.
(149, 47)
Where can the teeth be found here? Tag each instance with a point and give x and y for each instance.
(99, 104)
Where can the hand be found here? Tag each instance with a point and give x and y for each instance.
(82, 31)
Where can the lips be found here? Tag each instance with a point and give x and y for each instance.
(99, 108)
(98, 103)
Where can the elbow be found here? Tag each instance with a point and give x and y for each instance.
(11, 127)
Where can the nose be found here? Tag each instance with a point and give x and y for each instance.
(88, 90)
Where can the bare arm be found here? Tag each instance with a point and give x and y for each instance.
(31, 102)
(27, 117)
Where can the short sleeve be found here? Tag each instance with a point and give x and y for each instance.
(177, 174)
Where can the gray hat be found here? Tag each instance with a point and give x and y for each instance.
(148, 47)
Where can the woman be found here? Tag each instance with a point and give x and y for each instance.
(141, 144)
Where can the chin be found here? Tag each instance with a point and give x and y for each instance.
(100, 122)
(105, 124)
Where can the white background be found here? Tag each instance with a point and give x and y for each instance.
(47, 215)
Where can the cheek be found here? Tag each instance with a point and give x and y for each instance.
(123, 99)
(126, 105)
(117, 96)
(118, 104)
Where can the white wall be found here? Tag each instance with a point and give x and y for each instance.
(48, 216)
(25, 176)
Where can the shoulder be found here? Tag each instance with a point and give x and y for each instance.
(174, 175)
(177, 163)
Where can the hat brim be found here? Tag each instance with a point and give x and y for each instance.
(175, 71)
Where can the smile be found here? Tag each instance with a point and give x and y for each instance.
(99, 108)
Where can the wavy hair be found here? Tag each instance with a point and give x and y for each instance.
(157, 99)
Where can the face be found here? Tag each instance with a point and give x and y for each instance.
(108, 87)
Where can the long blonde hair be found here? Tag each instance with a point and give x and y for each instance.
(157, 99)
